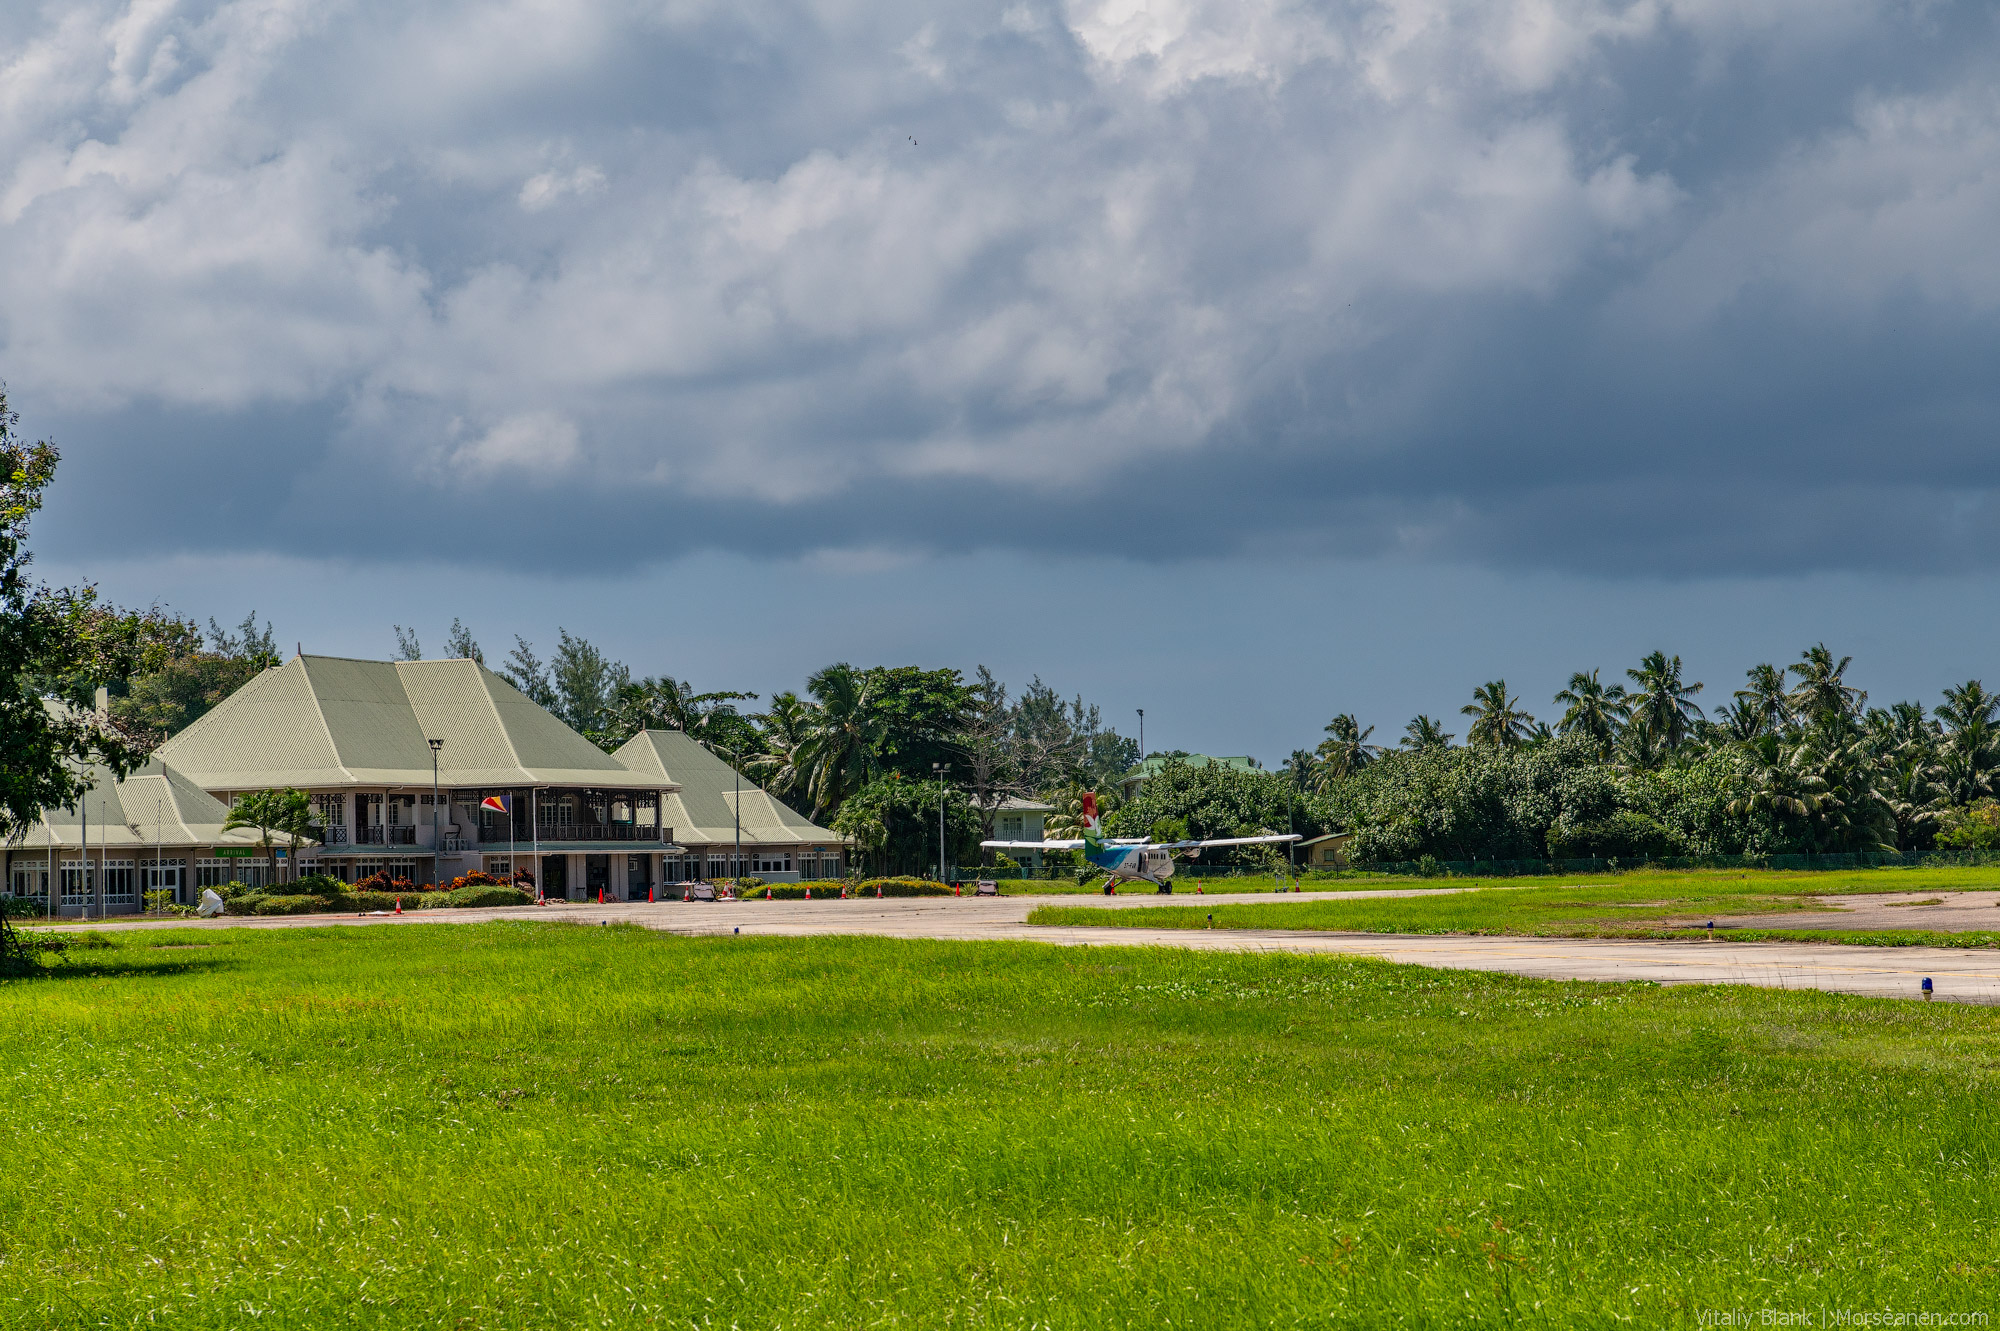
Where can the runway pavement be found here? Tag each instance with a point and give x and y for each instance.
(1959, 975)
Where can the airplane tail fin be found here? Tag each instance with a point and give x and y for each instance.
(1093, 825)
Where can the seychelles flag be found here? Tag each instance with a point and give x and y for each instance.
(497, 803)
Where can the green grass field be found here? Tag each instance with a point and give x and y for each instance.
(1635, 905)
(533, 1125)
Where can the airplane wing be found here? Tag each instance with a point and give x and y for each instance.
(1229, 841)
(1032, 845)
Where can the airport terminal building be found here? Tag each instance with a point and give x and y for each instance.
(371, 741)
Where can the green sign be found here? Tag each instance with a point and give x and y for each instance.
(235, 852)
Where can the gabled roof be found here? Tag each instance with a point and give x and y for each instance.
(155, 805)
(327, 721)
(703, 811)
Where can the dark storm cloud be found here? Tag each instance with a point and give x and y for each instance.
(1662, 288)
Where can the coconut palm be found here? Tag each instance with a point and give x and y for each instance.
(1821, 695)
(788, 746)
(1662, 705)
(1303, 770)
(1740, 722)
(1766, 699)
(1595, 711)
(1498, 721)
(849, 731)
(1346, 749)
(1912, 790)
(1777, 780)
(1425, 732)
(1970, 753)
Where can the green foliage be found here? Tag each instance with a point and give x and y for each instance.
(1976, 827)
(896, 820)
(493, 895)
(1215, 800)
(1487, 802)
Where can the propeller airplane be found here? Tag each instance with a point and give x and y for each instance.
(1130, 859)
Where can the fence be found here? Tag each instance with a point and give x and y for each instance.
(1530, 868)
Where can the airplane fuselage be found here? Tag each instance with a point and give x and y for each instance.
(1140, 864)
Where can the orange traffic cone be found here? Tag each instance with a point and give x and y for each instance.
(878, 891)
(600, 896)
(649, 895)
(399, 905)
(809, 894)
(957, 891)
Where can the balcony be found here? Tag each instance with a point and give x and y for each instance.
(581, 832)
(383, 836)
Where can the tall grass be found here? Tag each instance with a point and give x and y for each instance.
(535, 1125)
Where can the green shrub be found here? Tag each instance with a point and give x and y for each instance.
(289, 905)
(21, 908)
(489, 895)
(890, 887)
(1624, 835)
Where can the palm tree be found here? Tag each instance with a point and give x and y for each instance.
(1777, 781)
(1346, 749)
(1498, 720)
(848, 733)
(1662, 705)
(667, 703)
(1423, 732)
(1912, 790)
(1594, 711)
(1971, 749)
(287, 813)
(1303, 769)
(1741, 722)
(787, 744)
(1821, 696)
(1766, 699)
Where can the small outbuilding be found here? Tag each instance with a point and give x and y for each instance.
(1325, 852)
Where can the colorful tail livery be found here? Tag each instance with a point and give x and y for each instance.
(1132, 858)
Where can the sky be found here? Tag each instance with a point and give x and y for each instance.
(1244, 361)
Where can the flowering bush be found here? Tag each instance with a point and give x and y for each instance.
(380, 881)
(474, 879)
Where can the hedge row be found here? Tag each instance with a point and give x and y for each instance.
(888, 887)
(272, 903)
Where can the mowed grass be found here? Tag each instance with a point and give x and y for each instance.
(1635, 905)
(533, 1125)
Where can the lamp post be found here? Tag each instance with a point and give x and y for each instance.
(437, 839)
(940, 769)
(1142, 734)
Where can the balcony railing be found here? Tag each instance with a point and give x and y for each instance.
(382, 836)
(582, 832)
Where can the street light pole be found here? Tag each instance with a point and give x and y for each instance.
(437, 835)
(1142, 734)
(940, 769)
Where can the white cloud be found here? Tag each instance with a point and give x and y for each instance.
(532, 441)
(786, 252)
(550, 187)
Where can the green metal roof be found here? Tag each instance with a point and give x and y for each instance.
(1151, 766)
(155, 805)
(322, 722)
(702, 811)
